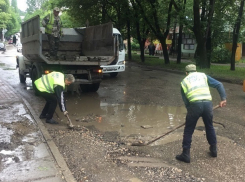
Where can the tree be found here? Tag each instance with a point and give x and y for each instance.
(155, 20)
(202, 23)
(4, 13)
(34, 5)
(14, 5)
(181, 11)
(10, 19)
(236, 35)
(141, 30)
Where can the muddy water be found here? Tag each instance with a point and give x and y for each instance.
(17, 109)
(128, 119)
(18, 135)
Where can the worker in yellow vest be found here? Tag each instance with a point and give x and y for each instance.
(198, 101)
(51, 88)
(53, 29)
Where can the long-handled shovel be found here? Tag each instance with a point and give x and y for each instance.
(69, 122)
(144, 144)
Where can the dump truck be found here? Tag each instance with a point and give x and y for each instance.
(82, 52)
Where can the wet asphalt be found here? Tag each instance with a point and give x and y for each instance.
(144, 96)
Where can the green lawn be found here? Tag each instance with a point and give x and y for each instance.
(218, 71)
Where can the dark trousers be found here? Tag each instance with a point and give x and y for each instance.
(53, 45)
(194, 112)
(50, 106)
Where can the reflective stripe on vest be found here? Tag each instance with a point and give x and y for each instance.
(196, 87)
(47, 82)
(48, 87)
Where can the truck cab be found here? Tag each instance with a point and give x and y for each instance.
(118, 65)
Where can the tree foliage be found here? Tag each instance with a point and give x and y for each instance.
(210, 22)
(236, 31)
(10, 18)
(34, 5)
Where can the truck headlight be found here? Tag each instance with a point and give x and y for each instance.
(121, 62)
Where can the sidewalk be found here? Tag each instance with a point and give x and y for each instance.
(27, 152)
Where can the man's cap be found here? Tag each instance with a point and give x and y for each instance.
(56, 9)
(190, 67)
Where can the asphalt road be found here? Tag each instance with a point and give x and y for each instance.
(116, 115)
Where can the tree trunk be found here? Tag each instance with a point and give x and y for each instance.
(201, 33)
(209, 48)
(155, 26)
(129, 40)
(201, 55)
(236, 31)
(172, 49)
(142, 51)
(103, 12)
(180, 33)
(179, 44)
(164, 49)
(163, 37)
(142, 45)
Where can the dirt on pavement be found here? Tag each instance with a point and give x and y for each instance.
(94, 155)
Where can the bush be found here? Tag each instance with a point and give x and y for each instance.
(135, 46)
(221, 55)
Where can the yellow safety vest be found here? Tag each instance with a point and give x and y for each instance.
(50, 24)
(47, 82)
(195, 87)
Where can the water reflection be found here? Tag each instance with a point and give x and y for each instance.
(125, 118)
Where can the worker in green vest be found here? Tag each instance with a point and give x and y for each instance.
(198, 101)
(51, 87)
(53, 24)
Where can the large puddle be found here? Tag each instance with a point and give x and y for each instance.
(127, 119)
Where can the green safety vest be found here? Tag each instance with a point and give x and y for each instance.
(47, 82)
(50, 24)
(195, 87)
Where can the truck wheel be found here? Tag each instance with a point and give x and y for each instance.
(94, 87)
(90, 88)
(34, 77)
(114, 74)
(22, 77)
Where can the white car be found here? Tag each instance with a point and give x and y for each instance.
(19, 47)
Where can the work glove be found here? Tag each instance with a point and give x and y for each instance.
(65, 113)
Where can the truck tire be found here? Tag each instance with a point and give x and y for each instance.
(22, 77)
(34, 77)
(90, 88)
(114, 74)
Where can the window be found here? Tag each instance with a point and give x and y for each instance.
(186, 46)
(120, 39)
(188, 42)
(192, 47)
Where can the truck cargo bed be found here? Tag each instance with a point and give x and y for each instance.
(78, 46)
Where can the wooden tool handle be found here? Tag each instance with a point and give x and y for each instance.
(215, 107)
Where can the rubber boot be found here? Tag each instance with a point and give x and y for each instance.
(185, 156)
(213, 150)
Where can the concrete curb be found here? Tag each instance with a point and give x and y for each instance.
(53, 148)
